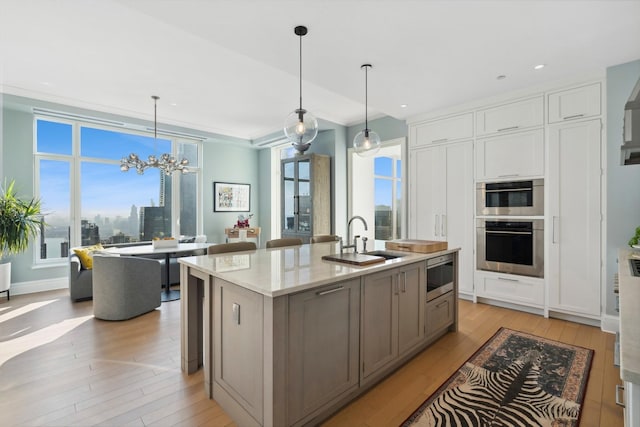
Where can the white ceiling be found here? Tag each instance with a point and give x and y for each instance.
(231, 66)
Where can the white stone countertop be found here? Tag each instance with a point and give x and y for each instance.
(281, 271)
(629, 291)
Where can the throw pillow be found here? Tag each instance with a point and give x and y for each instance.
(86, 255)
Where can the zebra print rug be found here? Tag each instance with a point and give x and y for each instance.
(515, 379)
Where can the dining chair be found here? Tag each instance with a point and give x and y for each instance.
(231, 247)
(287, 241)
(320, 238)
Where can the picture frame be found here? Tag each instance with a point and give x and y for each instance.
(231, 197)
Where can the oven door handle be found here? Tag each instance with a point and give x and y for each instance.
(507, 190)
(526, 233)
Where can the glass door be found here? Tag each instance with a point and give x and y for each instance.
(289, 199)
(304, 196)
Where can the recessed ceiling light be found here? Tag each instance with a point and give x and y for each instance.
(501, 77)
(403, 105)
(45, 83)
(539, 67)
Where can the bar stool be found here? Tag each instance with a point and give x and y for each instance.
(320, 238)
(231, 247)
(288, 241)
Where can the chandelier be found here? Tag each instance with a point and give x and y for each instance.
(301, 127)
(166, 163)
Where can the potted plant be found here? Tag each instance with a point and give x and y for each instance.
(20, 220)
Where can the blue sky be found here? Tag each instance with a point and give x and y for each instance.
(105, 190)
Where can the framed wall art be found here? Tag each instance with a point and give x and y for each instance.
(231, 197)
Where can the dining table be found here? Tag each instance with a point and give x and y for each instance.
(179, 250)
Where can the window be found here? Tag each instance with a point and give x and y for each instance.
(388, 190)
(86, 199)
(376, 192)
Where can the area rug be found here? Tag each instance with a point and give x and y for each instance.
(515, 379)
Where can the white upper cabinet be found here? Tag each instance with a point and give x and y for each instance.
(514, 155)
(509, 117)
(442, 130)
(574, 103)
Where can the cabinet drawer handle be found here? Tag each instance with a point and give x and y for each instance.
(619, 402)
(575, 116)
(509, 176)
(440, 140)
(329, 291)
(404, 282)
(508, 280)
(442, 304)
(509, 128)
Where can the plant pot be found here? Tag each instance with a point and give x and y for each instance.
(5, 276)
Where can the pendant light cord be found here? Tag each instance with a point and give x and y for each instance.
(155, 116)
(366, 98)
(300, 71)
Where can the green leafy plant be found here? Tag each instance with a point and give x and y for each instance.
(635, 240)
(20, 220)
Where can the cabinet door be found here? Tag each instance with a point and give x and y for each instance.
(513, 116)
(238, 347)
(442, 130)
(411, 302)
(573, 104)
(427, 198)
(323, 346)
(459, 214)
(379, 320)
(575, 219)
(515, 155)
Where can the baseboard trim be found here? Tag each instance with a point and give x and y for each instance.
(21, 288)
(610, 324)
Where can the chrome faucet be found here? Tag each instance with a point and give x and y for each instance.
(355, 238)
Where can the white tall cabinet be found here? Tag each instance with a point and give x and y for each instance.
(441, 201)
(574, 218)
(554, 135)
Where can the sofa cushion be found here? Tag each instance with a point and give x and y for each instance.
(86, 255)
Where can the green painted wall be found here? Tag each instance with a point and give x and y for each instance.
(229, 163)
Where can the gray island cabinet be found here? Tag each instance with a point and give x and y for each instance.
(286, 338)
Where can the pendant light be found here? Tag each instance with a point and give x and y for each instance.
(367, 142)
(301, 127)
(166, 163)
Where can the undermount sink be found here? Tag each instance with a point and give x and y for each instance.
(354, 259)
(385, 254)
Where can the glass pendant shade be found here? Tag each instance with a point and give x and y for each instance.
(301, 127)
(366, 143)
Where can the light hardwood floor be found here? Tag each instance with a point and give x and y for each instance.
(61, 367)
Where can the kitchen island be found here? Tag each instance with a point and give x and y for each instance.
(286, 338)
(629, 291)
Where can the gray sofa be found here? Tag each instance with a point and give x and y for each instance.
(125, 286)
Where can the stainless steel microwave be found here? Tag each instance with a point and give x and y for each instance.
(510, 198)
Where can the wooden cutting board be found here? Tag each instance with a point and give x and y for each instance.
(422, 246)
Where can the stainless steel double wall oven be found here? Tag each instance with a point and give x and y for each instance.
(507, 240)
